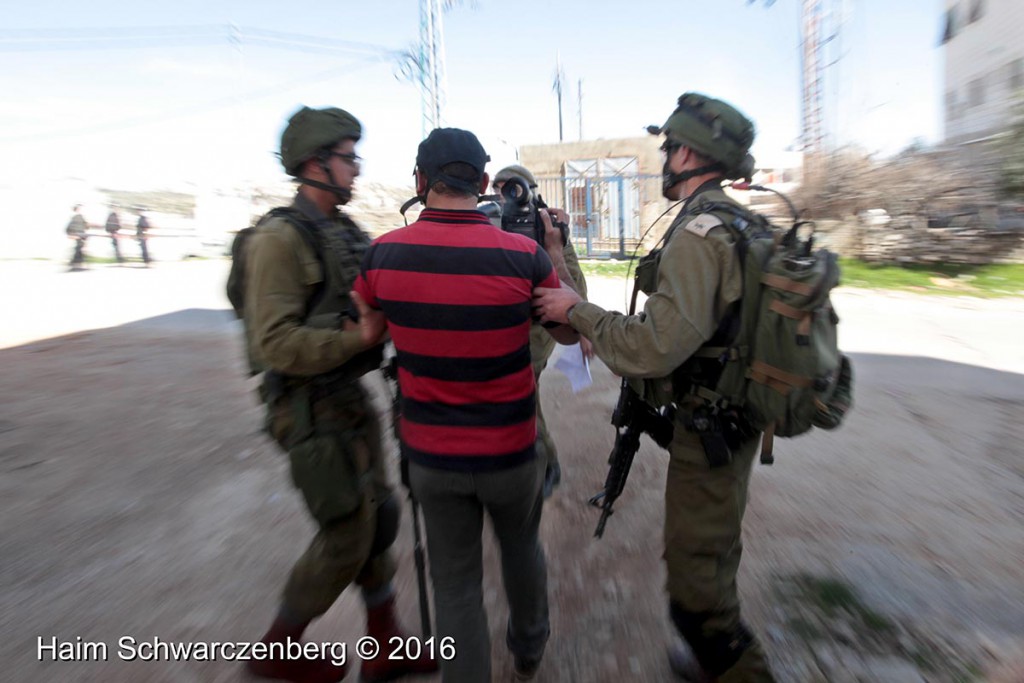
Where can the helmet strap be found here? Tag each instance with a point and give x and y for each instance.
(342, 194)
(670, 179)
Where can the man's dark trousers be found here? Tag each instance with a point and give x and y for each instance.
(453, 506)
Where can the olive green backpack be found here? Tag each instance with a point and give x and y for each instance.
(236, 277)
(782, 369)
(774, 365)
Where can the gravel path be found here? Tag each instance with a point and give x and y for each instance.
(139, 498)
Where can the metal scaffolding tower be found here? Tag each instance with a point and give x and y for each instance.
(432, 76)
(812, 81)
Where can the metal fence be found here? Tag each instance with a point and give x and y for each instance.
(604, 211)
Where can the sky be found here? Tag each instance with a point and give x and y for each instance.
(195, 93)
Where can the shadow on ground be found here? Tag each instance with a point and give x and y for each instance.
(141, 500)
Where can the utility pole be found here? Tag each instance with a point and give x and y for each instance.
(557, 88)
(579, 104)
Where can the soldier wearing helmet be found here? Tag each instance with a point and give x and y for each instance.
(301, 262)
(693, 280)
(541, 343)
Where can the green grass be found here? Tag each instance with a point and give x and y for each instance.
(833, 595)
(830, 594)
(986, 281)
(607, 268)
(950, 279)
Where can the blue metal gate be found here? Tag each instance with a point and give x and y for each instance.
(604, 211)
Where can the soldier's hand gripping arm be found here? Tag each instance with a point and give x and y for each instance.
(281, 272)
(697, 279)
(373, 326)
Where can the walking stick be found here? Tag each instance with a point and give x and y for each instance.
(390, 371)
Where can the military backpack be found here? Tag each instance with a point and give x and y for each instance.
(236, 277)
(774, 365)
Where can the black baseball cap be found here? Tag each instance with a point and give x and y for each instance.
(447, 146)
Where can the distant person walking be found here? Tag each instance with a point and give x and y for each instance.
(141, 230)
(76, 230)
(113, 227)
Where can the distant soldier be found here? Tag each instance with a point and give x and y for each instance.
(76, 230)
(113, 227)
(141, 230)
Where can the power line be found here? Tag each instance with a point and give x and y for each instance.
(136, 37)
(192, 110)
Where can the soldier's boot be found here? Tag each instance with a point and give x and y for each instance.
(382, 626)
(751, 667)
(300, 670)
(684, 665)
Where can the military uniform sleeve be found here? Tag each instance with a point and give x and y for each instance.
(697, 278)
(572, 264)
(281, 273)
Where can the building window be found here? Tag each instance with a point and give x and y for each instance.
(976, 92)
(1016, 79)
(949, 31)
(951, 108)
(977, 11)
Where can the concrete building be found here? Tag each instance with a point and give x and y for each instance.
(610, 188)
(983, 46)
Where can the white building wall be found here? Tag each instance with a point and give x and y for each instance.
(984, 66)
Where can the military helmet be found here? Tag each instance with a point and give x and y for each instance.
(712, 128)
(310, 130)
(518, 171)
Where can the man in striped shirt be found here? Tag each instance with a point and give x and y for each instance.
(455, 293)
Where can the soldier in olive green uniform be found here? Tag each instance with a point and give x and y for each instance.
(542, 343)
(77, 230)
(300, 265)
(693, 295)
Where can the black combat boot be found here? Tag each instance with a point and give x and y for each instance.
(684, 665)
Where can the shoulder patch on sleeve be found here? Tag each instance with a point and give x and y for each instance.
(702, 224)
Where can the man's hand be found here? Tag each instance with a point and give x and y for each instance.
(553, 243)
(373, 326)
(558, 216)
(555, 248)
(587, 347)
(552, 305)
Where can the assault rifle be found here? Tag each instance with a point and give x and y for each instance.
(632, 417)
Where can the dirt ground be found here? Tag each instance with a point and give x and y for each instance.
(140, 499)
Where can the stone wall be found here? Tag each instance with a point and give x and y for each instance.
(975, 239)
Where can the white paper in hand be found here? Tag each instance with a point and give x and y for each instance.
(575, 367)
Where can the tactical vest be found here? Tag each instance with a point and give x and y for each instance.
(339, 246)
(700, 369)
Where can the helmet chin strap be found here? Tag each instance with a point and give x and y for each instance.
(342, 194)
(670, 179)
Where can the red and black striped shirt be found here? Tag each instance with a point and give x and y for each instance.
(457, 295)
